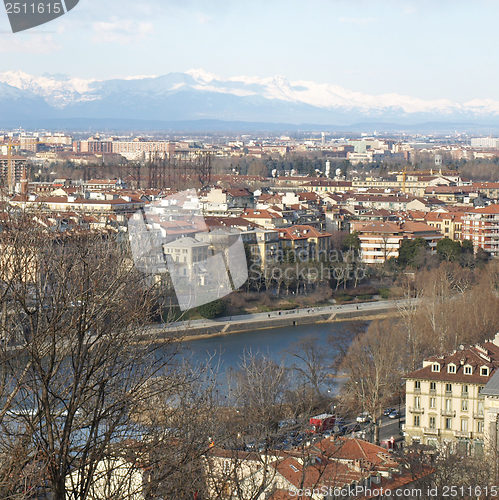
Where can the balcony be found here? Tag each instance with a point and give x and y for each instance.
(478, 415)
(448, 413)
(463, 434)
(419, 411)
(432, 432)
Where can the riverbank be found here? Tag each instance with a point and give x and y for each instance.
(198, 329)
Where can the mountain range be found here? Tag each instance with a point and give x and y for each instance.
(197, 99)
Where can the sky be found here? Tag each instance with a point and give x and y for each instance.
(426, 48)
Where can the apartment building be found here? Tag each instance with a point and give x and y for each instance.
(450, 224)
(380, 241)
(481, 226)
(445, 403)
(18, 164)
(263, 246)
(305, 242)
(265, 218)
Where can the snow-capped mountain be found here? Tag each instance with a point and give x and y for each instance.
(197, 94)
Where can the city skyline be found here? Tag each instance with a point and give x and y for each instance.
(411, 48)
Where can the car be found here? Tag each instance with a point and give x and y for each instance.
(394, 414)
(388, 411)
(363, 417)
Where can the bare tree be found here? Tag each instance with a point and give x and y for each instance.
(74, 368)
(372, 365)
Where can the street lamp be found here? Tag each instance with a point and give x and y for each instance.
(400, 397)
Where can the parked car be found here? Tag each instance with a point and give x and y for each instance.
(394, 414)
(387, 411)
(363, 418)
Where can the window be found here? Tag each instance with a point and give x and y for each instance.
(435, 367)
(464, 425)
(480, 426)
(416, 420)
(468, 370)
(480, 408)
(451, 368)
(448, 404)
(448, 387)
(417, 385)
(448, 423)
(432, 402)
(433, 386)
(464, 405)
(484, 371)
(417, 402)
(433, 423)
(465, 390)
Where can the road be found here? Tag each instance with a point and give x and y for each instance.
(390, 427)
(275, 316)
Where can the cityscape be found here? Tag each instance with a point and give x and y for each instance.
(274, 278)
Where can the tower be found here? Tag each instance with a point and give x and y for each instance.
(11, 170)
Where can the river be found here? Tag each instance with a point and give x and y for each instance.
(276, 344)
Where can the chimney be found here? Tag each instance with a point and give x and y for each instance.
(24, 183)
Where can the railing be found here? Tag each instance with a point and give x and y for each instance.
(433, 432)
(416, 410)
(463, 434)
(448, 413)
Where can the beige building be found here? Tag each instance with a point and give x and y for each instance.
(450, 224)
(380, 241)
(445, 403)
(263, 245)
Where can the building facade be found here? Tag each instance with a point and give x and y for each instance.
(481, 227)
(445, 403)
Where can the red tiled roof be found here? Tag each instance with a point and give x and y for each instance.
(301, 232)
(357, 449)
(473, 356)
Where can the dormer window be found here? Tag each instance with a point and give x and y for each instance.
(468, 370)
(484, 371)
(451, 368)
(435, 367)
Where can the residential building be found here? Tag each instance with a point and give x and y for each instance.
(263, 245)
(187, 255)
(445, 404)
(267, 219)
(485, 142)
(305, 242)
(18, 163)
(481, 226)
(448, 223)
(380, 241)
(319, 469)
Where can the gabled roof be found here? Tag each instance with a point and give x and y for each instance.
(321, 473)
(356, 449)
(475, 356)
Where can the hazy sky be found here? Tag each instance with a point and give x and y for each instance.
(428, 49)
